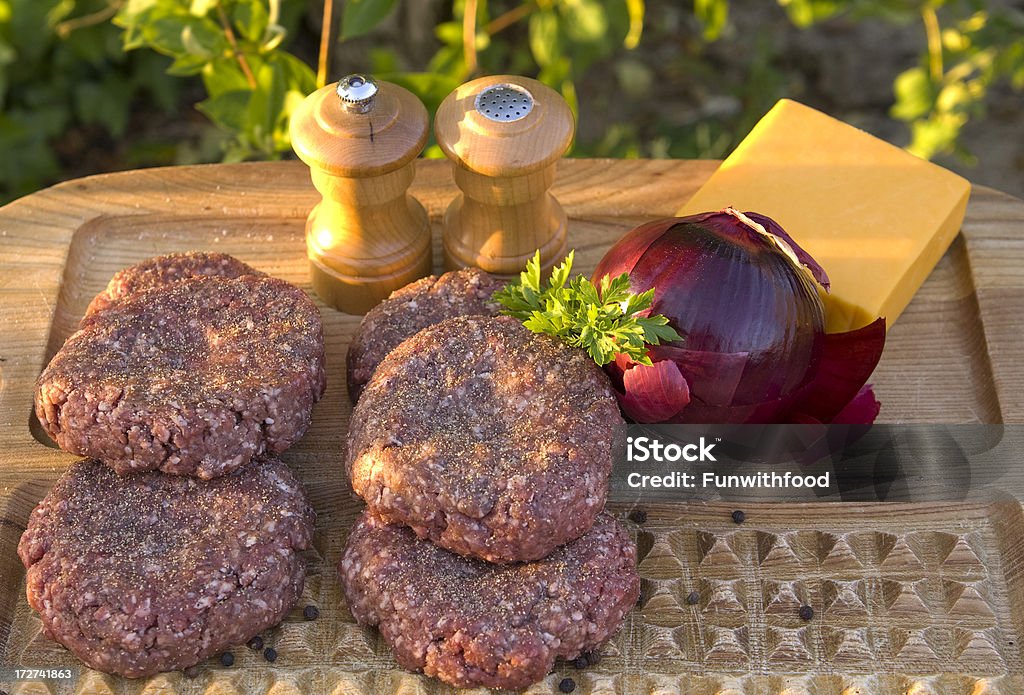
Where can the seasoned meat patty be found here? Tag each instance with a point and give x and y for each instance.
(162, 270)
(195, 377)
(412, 308)
(148, 572)
(487, 439)
(472, 623)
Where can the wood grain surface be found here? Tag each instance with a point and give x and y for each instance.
(940, 589)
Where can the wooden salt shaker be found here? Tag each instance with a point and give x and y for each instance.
(367, 237)
(504, 135)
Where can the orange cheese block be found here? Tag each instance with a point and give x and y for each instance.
(875, 217)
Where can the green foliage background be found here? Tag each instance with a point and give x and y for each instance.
(95, 64)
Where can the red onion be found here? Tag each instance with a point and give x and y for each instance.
(744, 296)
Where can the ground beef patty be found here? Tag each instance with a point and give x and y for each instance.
(412, 308)
(162, 270)
(195, 377)
(148, 572)
(472, 623)
(487, 439)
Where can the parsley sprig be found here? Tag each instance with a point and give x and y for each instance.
(602, 320)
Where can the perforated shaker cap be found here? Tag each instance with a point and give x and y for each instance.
(504, 103)
(504, 125)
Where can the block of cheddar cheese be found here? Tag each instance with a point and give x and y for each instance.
(875, 217)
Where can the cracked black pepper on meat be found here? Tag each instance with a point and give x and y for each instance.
(487, 439)
(194, 377)
(147, 572)
(163, 270)
(473, 623)
(412, 308)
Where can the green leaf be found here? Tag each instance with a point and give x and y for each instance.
(636, 10)
(59, 12)
(560, 275)
(804, 13)
(267, 104)
(955, 96)
(361, 16)
(133, 8)
(383, 59)
(449, 33)
(545, 42)
(601, 320)
(568, 90)
(187, 65)
(915, 94)
(7, 53)
(531, 276)
(937, 135)
(200, 8)
(164, 34)
(431, 88)
(228, 109)
(298, 76)
(251, 18)
(585, 20)
(713, 15)
(202, 37)
(224, 75)
(273, 37)
(449, 60)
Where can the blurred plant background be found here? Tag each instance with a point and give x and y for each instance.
(88, 86)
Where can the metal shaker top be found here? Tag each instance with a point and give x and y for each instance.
(504, 125)
(357, 92)
(504, 103)
(359, 127)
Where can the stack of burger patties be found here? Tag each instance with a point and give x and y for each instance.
(181, 534)
(483, 452)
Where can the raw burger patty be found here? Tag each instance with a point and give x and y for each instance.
(409, 310)
(195, 377)
(148, 572)
(162, 270)
(471, 623)
(489, 440)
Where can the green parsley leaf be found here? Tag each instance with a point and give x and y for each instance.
(602, 320)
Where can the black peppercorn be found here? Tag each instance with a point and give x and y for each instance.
(806, 612)
(693, 598)
(270, 654)
(227, 659)
(739, 516)
(638, 516)
(566, 685)
(593, 658)
(310, 612)
(581, 661)
(191, 672)
(255, 644)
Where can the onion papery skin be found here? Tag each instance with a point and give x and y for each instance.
(745, 299)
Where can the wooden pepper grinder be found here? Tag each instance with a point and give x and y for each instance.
(367, 237)
(504, 135)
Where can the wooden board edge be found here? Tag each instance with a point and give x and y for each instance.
(999, 294)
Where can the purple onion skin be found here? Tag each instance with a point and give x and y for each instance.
(754, 347)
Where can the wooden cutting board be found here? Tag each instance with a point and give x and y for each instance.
(923, 598)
